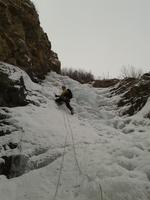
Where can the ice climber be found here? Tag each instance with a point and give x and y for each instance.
(65, 96)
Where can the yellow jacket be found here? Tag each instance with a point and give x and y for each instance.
(64, 93)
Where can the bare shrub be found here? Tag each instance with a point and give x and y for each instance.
(79, 75)
(130, 71)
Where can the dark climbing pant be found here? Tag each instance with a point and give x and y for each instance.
(67, 101)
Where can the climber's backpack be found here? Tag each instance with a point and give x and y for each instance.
(70, 95)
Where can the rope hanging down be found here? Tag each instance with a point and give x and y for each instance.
(84, 174)
(61, 164)
(75, 154)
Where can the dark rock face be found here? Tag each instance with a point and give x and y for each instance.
(135, 93)
(13, 165)
(11, 96)
(23, 41)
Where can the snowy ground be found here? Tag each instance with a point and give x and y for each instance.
(93, 155)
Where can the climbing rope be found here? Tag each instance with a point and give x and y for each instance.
(61, 166)
(75, 154)
(84, 174)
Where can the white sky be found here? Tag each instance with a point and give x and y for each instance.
(112, 150)
(99, 36)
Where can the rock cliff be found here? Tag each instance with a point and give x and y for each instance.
(23, 41)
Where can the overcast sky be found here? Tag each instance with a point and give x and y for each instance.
(99, 36)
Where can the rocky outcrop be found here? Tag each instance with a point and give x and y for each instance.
(10, 94)
(105, 83)
(23, 41)
(135, 93)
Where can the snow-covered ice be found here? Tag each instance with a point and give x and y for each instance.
(96, 154)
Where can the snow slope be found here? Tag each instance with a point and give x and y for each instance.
(93, 155)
